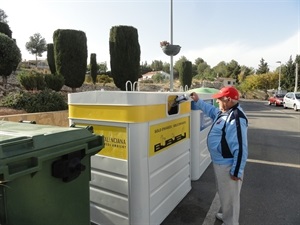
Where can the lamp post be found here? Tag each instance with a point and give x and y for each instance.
(296, 78)
(279, 86)
(170, 49)
(171, 39)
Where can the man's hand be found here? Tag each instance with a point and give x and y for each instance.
(234, 178)
(194, 96)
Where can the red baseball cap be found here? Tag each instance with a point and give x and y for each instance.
(227, 91)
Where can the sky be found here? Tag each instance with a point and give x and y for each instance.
(215, 30)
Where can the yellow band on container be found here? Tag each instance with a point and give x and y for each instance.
(121, 113)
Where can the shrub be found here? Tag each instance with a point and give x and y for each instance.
(54, 82)
(32, 80)
(158, 78)
(43, 101)
(14, 100)
(148, 81)
(27, 81)
(104, 79)
(88, 79)
(40, 81)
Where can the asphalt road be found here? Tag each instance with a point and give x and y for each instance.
(271, 188)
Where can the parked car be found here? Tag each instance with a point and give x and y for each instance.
(276, 99)
(292, 100)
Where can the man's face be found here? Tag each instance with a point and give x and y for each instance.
(225, 103)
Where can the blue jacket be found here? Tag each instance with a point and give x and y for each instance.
(227, 139)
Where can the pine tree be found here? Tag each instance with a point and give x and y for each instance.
(262, 67)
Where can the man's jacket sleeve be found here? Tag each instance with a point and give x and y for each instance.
(207, 108)
(236, 136)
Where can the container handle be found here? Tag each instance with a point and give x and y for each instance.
(69, 167)
(133, 86)
(130, 83)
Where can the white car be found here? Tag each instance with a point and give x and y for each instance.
(292, 100)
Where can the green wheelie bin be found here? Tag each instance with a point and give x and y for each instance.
(45, 174)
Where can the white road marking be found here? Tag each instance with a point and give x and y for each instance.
(274, 163)
(213, 210)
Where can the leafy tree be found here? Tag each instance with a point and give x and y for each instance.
(185, 73)
(36, 45)
(266, 82)
(4, 28)
(194, 70)
(199, 61)
(262, 82)
(178, 63)
(177, 66)
(70, 53)
(233, 69)
(125, 54)
(102, 67)
(220, 70)
(166, 67)
(262, 67)
(145, 68)
(3, 16)
(247, 70)
(157, 65)
(50, 58)
(203, 68)
(93, 63)
(10, 57)
(195, 66)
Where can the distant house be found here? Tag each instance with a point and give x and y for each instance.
(149, 75)
(41, 64)
(227, 81)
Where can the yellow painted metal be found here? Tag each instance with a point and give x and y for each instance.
(115, 140)
(121, 113)
(165, 135)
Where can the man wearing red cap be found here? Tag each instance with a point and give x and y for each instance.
(228, 146)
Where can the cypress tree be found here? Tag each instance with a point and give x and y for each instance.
(70, 54)
(50, 58)
(125, 54)
(93, 64)
(186, 73)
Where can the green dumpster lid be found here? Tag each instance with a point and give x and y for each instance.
(19, 138)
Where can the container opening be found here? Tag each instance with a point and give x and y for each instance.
(173, 107)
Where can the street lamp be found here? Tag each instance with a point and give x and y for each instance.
(279, 88)
(171, 39)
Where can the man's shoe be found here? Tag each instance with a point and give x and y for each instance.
(219, 216)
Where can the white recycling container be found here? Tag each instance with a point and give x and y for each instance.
(144, 170)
